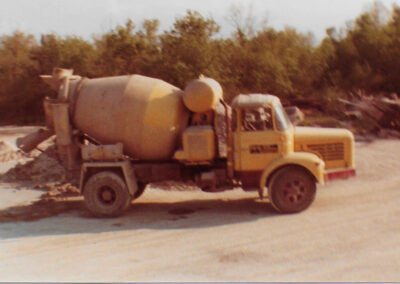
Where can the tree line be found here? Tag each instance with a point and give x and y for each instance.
(363, 56)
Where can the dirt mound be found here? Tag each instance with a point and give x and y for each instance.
(58, 189)
(8, 153)
(42, 169)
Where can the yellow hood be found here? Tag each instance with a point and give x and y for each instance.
(334, 145)
(321, 135)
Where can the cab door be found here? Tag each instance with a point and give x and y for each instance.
(257, 144)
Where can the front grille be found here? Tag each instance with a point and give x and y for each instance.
(328, 152)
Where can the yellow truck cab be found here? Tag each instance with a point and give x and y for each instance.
(286, 161)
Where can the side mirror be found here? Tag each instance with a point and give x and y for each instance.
(295, 114)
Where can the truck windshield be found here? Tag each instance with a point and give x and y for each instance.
(282, 120)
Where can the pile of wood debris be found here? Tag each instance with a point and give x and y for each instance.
(379, 115)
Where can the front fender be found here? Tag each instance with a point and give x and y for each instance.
(309, 161)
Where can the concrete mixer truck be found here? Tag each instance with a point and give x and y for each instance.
(118, 134)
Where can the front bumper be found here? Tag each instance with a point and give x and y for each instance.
(339, 174)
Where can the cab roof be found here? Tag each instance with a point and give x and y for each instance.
(255, 100)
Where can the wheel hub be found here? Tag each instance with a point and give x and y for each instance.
(107, 195)
(294, 191)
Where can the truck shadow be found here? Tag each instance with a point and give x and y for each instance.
(72, 216)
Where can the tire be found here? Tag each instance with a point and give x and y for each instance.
(291, 190)
(106, 194)
(139, 192)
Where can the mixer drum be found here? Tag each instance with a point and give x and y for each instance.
(145, 114)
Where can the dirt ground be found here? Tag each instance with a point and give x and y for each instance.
(350, 233)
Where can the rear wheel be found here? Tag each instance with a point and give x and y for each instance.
(106, 194)
(291, 190)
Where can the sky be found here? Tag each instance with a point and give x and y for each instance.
(86, 18)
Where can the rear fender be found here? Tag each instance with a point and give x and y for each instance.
(124, 167)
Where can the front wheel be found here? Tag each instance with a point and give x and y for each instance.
(291, 190)
(106, 194)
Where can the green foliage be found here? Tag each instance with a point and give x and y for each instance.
(70, 52)
(367, 56)
(188, 50)
(17, 89)
(364, 56)
(117, 50)
(281, 63)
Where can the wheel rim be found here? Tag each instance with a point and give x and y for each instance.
(106, 195)
(293, 191)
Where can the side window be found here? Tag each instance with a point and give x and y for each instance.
(257, 119)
